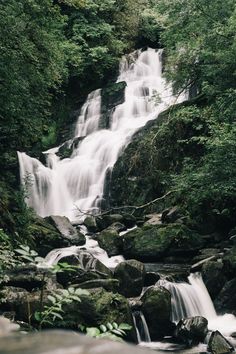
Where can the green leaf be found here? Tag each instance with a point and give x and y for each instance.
(125, 326)
(52, 299)
(92, 331)
(109, 326)
(37, 316)
(103, 328)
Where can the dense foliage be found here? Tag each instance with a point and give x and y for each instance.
(199, 37)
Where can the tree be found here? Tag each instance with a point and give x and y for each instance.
(199, 37)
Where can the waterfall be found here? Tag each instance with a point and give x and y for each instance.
(141, 327)
(192, 299)
(67, 186)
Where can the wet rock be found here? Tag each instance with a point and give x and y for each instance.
(192, 330)
(218, 344)
(129, 220)
(89, 268)
(229, 261)
(98, 307)
(67, 231)
(151, 278)
(59, 341)
(170, 215)
(107, 284)
(90, 223)
(213, 277)
(131, 276)
(46, 237)
(153, 242)
(28, 277)
(119, 227)
(157, 311)
(226, 299)
(112, 95)
(110, 241)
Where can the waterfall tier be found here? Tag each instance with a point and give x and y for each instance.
(67, 186)
(192, 299)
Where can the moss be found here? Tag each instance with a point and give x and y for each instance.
(158, 241)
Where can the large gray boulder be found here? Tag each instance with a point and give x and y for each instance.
(67, 230)
(156, 307)
(131, 276)
(59, 341)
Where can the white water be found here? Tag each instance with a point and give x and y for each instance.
(141, 327)
(192, 299)
(65, 187)
(91, 247)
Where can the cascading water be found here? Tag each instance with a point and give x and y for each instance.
(192, 299)
(141, 327)
(66, 186)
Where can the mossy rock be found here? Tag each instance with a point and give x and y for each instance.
(99, 307)
(153, 242)
(131, 276)
(110, 241)
(229, 261)
(156, 308)
(90, 223)
(213, 277)
(46, 237)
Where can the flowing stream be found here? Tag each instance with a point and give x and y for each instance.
(189, 300)
(68, 186)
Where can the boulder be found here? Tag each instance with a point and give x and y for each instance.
(226, 299)
(229, 261)
(153, 242)
(110, 241)
(99, 307)
(91, 224)
(192, 331)
(156, 307)
(29, 277)
(46, 237)
(104, 221)
(59, 341)
(131, 276)
(89, 268)
(213, 277)
(151, 278)
(218, 344)
(67, 231)
(112, 95)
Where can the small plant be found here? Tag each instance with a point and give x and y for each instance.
(30, 255)
(111, 331)
(54, 311)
